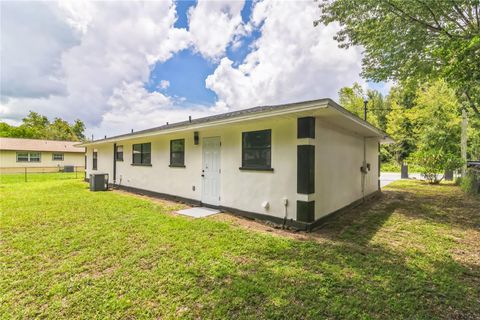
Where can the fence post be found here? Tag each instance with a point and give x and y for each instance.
(76, 172)
(25, 174)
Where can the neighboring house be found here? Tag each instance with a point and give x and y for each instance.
(39, 155)
(302, 161)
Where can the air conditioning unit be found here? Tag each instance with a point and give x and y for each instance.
(68, 168)
(99, 182)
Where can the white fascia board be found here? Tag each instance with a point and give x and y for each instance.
(259, 115)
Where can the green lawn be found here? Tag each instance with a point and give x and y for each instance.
(38, 177)
(66, 252)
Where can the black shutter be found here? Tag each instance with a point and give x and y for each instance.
(305, 169)
(306, 127)
(306, 211)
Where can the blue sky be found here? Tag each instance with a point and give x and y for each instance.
(187, 70)
(122, 64)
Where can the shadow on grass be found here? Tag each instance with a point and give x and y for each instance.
(361, 223)
(313, 281)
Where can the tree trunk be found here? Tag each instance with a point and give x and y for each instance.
(463, 143)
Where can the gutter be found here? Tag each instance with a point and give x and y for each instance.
(296, 107)
(259, 115)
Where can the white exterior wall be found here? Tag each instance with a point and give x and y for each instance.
(338, 158)
(239, 189)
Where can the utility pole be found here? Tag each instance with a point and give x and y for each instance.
(365, 102)
(463, 140)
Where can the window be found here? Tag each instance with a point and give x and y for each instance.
(95, 156)
(177, 153)
(256, 150)
(22, 157)
(141, 154)
(119, 153)
(57, 156)
(28, 156)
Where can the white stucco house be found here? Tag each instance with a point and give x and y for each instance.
(295, 163)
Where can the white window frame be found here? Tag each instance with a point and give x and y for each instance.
(30, 156)
(56, 154)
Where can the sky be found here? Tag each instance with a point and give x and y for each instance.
(123, 65)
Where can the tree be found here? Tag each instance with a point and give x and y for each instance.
(413, 40)
(352, 98)
(78, 129)
(37, 126)
(401, 100)
(436, 127)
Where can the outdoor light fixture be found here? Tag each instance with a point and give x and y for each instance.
(196, 139)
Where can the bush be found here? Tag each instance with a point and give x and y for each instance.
(471, 182)
(435, 162)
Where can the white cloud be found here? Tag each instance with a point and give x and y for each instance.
(213, 24)
(70, 59)
(33, 38)
(90, 60)
(144, 109)
(291, 60)
(164, 84)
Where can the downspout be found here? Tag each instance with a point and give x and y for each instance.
(363, 169)
(379, 166)
(114, 164)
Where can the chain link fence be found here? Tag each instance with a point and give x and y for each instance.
(32, 174)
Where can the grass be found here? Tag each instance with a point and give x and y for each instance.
(38, 177)
(66, 252)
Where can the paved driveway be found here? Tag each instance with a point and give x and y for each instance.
(389, 177)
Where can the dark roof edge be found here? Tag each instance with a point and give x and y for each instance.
(357, 118)
(227, 115)
(239, 113)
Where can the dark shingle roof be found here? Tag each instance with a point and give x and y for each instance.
(222, 116)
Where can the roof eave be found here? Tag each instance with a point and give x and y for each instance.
(194, 126)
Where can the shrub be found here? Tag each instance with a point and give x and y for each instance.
(471, 182)
(435, 162)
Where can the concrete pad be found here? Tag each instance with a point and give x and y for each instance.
(198, 212)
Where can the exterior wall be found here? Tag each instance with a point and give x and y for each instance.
(8, 159)
(244, 190)
(338, 158)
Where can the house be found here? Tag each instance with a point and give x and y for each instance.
(293, 163)
(39, 155)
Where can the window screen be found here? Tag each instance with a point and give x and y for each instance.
(256, 149)
(177, 153)
(28, 156)
(141, 153)
(95, 156)
(119, 153)
(57, 156)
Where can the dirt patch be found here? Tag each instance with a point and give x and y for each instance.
(167, 203)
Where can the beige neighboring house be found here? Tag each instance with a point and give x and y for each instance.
(39, 155)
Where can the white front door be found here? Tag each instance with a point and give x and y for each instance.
(211, 171)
